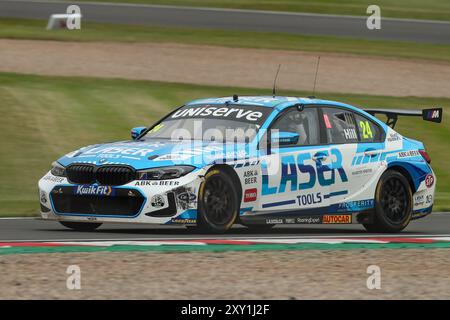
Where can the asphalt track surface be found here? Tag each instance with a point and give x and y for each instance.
(231, 19)
(32, 229)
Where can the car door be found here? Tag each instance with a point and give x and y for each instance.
(365, 167)
(354, 149)
(342, 138)
(290, 179)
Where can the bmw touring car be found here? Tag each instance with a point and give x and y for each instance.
(257, 161)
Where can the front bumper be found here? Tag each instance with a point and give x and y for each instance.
(151, 201)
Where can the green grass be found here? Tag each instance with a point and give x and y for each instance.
(417, 9)
(35, 29)
(43, 118)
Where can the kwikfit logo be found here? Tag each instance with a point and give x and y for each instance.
(93, 190)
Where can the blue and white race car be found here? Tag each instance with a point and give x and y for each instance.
(257, 161)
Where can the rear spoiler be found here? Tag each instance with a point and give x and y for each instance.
(433, 115)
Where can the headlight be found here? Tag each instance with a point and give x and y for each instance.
(58, 170)
(164, 173)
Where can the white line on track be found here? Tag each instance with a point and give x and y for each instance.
(249, 237)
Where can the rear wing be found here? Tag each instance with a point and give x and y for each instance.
(433, 115)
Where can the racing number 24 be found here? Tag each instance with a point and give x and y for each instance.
(366, 131)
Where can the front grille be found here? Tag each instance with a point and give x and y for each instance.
(104, 175)
(114, 175)
(80, 173)
(118, 202)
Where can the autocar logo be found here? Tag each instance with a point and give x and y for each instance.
(102, 160)
(429, 181)
(335, 219)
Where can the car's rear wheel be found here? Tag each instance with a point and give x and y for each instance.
(393, 204)
(80, 226)
(218, 203)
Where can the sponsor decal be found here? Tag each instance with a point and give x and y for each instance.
(297, 220)
(337, 219)
(250, 195)
(294, 169)
(157, 201)
(429, 180)
(309, 220)
(350, 134)
(362, 172)
(308, 199)
(127, 151)
(393, 137)
(43, 197)
(187, 197)
(407, 154)
(93, 190)
(432, 114)
(184, 221)
(419, 200)
(54, 179)
(274, 221)
(356, 205)
(173, 157)
(251, 176)
(250, 113)
(147, 183)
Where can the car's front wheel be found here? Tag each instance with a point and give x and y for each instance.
(393, 204)
(81, 226)
(218, 203)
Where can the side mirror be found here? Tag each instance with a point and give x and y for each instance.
(284, 138)
(136, 132)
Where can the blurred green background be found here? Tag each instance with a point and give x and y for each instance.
(44, 118)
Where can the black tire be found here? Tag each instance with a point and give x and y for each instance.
(218, 202)
(80, 226)
(393, 204)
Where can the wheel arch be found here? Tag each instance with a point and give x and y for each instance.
(234, 176)
(404, 172)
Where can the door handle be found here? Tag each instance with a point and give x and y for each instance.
(319, 156)
(371, 152)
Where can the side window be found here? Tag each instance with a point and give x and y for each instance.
(339, 126)
(368, 130)
(305, 123)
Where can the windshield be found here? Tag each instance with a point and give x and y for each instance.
(219, 123)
